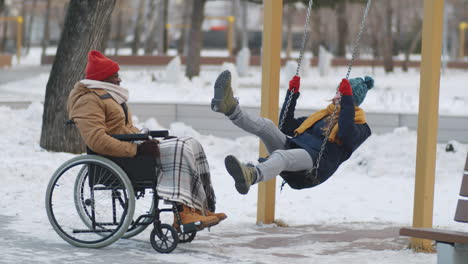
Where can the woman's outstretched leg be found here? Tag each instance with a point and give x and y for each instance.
(280, 160)
(224, 102)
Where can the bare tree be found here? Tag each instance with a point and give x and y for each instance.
(46, 34)
(118, 35)
(290, 12)
(342, 28)
(30, 25)
(61, 17)
(375, 32)
(196, 39)
(387, 39)
(84, 30)
(5, 31)
(138, 27)
(162, 30)
(150, 43)
(415, 40)
(316, 31)
(182, 46)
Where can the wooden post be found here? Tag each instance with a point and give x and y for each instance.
(19, 33)
(19, 28)
(230, 35)
(462, 26)
(271, 64)
(428, 119)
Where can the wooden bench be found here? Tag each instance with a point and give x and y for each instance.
(452, 246)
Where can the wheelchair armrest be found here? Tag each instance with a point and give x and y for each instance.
(131, 137)
(141, 136)
(159, 133)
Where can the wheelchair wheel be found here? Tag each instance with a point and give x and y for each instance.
(186, 237)
(102, 206)
(143, 205)
(164, 241)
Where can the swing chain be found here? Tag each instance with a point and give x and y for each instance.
(358, 39)
(350, 65)
(325, 140)
(305, 37)
(283, 116)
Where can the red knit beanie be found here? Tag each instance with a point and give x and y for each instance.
(100, 67)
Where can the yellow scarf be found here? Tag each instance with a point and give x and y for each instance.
(359, 118)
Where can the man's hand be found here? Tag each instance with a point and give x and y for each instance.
(345, 87)
(294, 84)
(149, 148)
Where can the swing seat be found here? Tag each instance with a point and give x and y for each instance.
(301, 179)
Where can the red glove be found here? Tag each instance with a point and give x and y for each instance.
(345, 88)
(149, 148)
(294, 84)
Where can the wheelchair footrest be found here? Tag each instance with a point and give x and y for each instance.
(191, 227)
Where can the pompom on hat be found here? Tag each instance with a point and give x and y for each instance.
(100, 67)
(360, 87)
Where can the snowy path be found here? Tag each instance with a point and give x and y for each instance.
(351, 243)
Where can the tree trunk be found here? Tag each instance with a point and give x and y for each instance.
(196, 39)
(290, 11)
(85, 26)
(30, 26)
(375, 42)
(316, 31)
(342, 27)
(5, 32)
(24, 32)
(245, 29)
(119, 37)
(61, 16)
(182, 45)
(150, 43)
(138, 28)
(46, 36)
(107, 35)
(413, 44)
(162, 30)
(388, 38)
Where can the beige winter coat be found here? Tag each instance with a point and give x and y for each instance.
(98, 118)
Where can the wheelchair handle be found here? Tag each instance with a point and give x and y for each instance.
(141, 136)
(159, 133)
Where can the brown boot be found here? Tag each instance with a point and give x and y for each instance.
(190, 215)
(220, 216)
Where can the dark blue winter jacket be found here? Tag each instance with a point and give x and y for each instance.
(351, 134)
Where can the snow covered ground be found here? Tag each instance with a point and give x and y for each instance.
(373, 190)
(397, 92)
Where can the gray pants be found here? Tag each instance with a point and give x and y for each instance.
(280, 159)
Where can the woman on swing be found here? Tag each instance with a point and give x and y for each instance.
(294, 150)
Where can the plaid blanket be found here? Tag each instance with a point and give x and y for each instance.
(185, 175)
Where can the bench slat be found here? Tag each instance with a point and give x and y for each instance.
(461, 213)
(466, 163)
(464, 185)
(435, 234)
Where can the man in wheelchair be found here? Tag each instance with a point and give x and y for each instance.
(97, 105)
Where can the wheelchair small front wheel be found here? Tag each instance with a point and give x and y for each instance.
(187, 237)
(164, 240)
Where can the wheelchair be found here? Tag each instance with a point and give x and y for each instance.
(94, 200)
